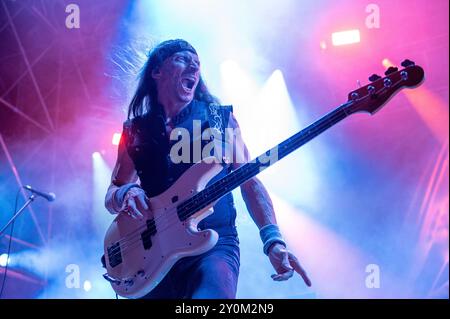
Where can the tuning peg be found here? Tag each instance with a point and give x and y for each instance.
(390, 70)
(407, 63)
(374, 77)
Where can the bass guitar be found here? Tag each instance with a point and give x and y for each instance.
(139, 253)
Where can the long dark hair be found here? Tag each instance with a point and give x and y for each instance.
(146, 96)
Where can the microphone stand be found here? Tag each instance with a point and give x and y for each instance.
(28, 202)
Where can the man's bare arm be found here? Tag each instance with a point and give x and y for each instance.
(123, 190)
(260, 207)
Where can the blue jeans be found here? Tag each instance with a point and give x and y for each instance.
(211, 275)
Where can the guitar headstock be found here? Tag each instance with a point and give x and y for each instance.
(372, 97)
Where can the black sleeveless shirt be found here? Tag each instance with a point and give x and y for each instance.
(149, 146)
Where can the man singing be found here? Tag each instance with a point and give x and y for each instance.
(171, 95)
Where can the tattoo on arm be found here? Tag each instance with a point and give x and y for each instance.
(258, 202)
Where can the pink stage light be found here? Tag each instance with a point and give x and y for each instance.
(345, 37)
(116, 138)
(387, 63)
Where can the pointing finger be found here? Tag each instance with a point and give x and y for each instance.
(299, 269)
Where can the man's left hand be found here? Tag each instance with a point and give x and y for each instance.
(285, 263)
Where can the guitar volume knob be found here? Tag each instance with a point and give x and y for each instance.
(141, 273)
(129, 282)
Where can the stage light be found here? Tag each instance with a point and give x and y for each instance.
(116, 138)
(345, 37)
(238, 86)
(387, 63)
(96, 155)
(4, 259)
(323, 45)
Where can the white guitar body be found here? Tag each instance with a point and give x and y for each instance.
(133, 270)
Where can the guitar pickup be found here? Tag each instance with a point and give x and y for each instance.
(146, 236)
(114, 255)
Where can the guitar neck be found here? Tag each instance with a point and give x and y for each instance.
(247, 171)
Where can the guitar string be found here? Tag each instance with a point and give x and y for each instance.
(216, 191)
(114, 252)
(294, 144)
(185, 206)
(127, 245)
(143, 227)
(136, 235)
(131, 242)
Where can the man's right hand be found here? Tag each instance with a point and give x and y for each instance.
(135, 203)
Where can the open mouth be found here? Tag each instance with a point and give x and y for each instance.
(188, 83)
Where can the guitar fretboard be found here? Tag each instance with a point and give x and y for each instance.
(236, 178)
